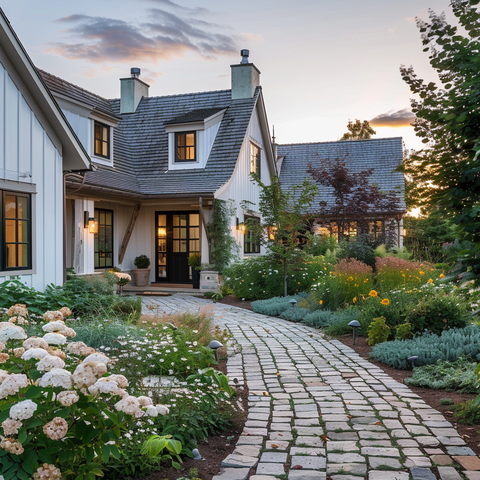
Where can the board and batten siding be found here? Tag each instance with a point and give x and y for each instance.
(29, 162)
(241, 187)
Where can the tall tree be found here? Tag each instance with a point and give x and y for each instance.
(285, 219)
(356, 199)
(448, 119)
(358, 130)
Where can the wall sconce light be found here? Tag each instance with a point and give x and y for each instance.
(272, 231)
(90, 223)
(404, 232)
(162, 232)
(241, 227)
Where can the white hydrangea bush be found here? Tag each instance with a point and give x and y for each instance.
(61, 413)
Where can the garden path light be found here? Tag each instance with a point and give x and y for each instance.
(354, 324)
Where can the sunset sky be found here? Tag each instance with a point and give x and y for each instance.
(322, 62)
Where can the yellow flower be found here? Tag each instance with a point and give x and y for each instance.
(442, 275)
(320, 302)
(354, 299)
(385, 301)
(373, 293)
(421, 273)
(430, 280)
(366, 280)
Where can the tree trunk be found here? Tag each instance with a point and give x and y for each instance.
(284, 277)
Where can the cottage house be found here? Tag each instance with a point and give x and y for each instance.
(159, 165)
(382, 155)
(37, 150)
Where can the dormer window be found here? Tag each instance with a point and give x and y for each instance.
(185, 147)
(102, 140)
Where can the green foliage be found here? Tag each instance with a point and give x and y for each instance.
(378, 331)
(222, 244)
(339, 324)
(359, 248)
(358, 130)
(458, 375)
(295, 314)
(446, 401)
(447, 121)
(450, 345)
(468, 412)
(275, 306)
(142, 261)
(439, 312)
(319, 318)
(403, 331)
(195, 260)
(318, 245)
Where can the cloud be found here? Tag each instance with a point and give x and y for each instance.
(165, 36)
(196, 10)
(401, 118)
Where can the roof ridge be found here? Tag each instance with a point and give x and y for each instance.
(338, 141)
(177, 94)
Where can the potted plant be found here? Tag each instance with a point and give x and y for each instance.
(142, 272)
(195, 261)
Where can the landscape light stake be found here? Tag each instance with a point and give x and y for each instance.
(215, 345)
(354, 324)
(412, 360)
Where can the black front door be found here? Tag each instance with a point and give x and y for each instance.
(178, 236)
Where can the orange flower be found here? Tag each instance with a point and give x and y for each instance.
(385, 301)
(442, 275)
(421, 273)
(430, 280)
(320, 302)
(354, 299)
(373, 293)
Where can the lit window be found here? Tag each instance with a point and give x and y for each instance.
(102, 140)
(254, 159)
(103, 240)
(251, 240)
(16, 251)
(185, 147)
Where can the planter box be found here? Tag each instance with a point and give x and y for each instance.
(141, 276)
(209, 281)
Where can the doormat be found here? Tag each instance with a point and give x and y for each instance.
(155, 294)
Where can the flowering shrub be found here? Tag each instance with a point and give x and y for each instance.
(123, 278)
(61, 416)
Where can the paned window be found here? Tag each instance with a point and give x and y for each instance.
(102, 140)
(185, 147)
(103, 241)
(16, 232)
(254, 159)
(251, 242)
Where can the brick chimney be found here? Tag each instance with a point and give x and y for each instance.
(132, 90)
(245, 77)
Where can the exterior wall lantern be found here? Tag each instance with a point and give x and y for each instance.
(241, 227)
(90, 223)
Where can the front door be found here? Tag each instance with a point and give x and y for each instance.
(178, 236)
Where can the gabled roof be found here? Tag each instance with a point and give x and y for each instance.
(383, 155)
(140, 143)
(74, 155)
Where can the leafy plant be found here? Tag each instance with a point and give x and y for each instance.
(142, 261)
(295, 314)
(378, 331)
(195, 260)
(156, 444)
(403, 331)
(467, 412)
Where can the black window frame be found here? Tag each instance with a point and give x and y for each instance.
(28, 220)
(255, 160)
(177, 147)
(95, 251)
(251, 240)
(102, 142)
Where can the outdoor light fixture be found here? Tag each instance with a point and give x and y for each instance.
(272, 231)
(354, 324)
(215, 345)
(292, 302)
(241, 227)
(196, 454)
(404, 232)
(90, 223)
(162, 232)
(412, 360)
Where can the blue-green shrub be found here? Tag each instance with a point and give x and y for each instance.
(295, 314)
(319, 318)
(450, 345)
(275, 306)
(340, 321)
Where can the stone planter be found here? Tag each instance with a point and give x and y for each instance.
(141, 276)
(209, 281)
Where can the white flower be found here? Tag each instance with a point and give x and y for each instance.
(162, 409)
(36, 353)
(35, 342)
(48, 362)
(23, 410)
(79, 348)
(56, 377)
(97, 357)
(54, 339)
(144, 401)
(56, 326)
(120, 379)
(12, 384)
(104, 385)
(9, 331)
(151, 411)
(87, 372)
(130, 406)
(56, 429)
(68, 397)
(10, 426)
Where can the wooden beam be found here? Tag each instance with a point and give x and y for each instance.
(128, 233)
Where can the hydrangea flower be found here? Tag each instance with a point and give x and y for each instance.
(23, 410)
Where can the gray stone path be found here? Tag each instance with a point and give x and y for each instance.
(317, 410)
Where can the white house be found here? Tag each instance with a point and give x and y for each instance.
(159, 165)
(37, 149)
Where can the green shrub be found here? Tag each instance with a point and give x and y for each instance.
(318, 245)
(319, 318)
(450, 345)
(295, 314)
(403, 331)
(378, 331)
(439, 312)
(458, 375)
(275, 306)
(468, 412)
(360, 248)
(394, 272)
(446, 401)
(339, 324)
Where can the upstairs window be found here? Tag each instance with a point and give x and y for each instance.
(17, 248)
(254, 159)
(185, 144)
(102, 140)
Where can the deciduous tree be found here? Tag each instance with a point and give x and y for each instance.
(358, 130)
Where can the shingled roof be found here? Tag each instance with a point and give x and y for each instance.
(383, 155)
(140, 142)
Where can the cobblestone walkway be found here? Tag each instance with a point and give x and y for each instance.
(317, 410)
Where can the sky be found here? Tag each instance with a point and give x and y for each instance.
(322, 62)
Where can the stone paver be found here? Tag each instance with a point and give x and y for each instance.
(316, 408)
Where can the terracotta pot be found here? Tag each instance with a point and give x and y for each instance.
(141, 276)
